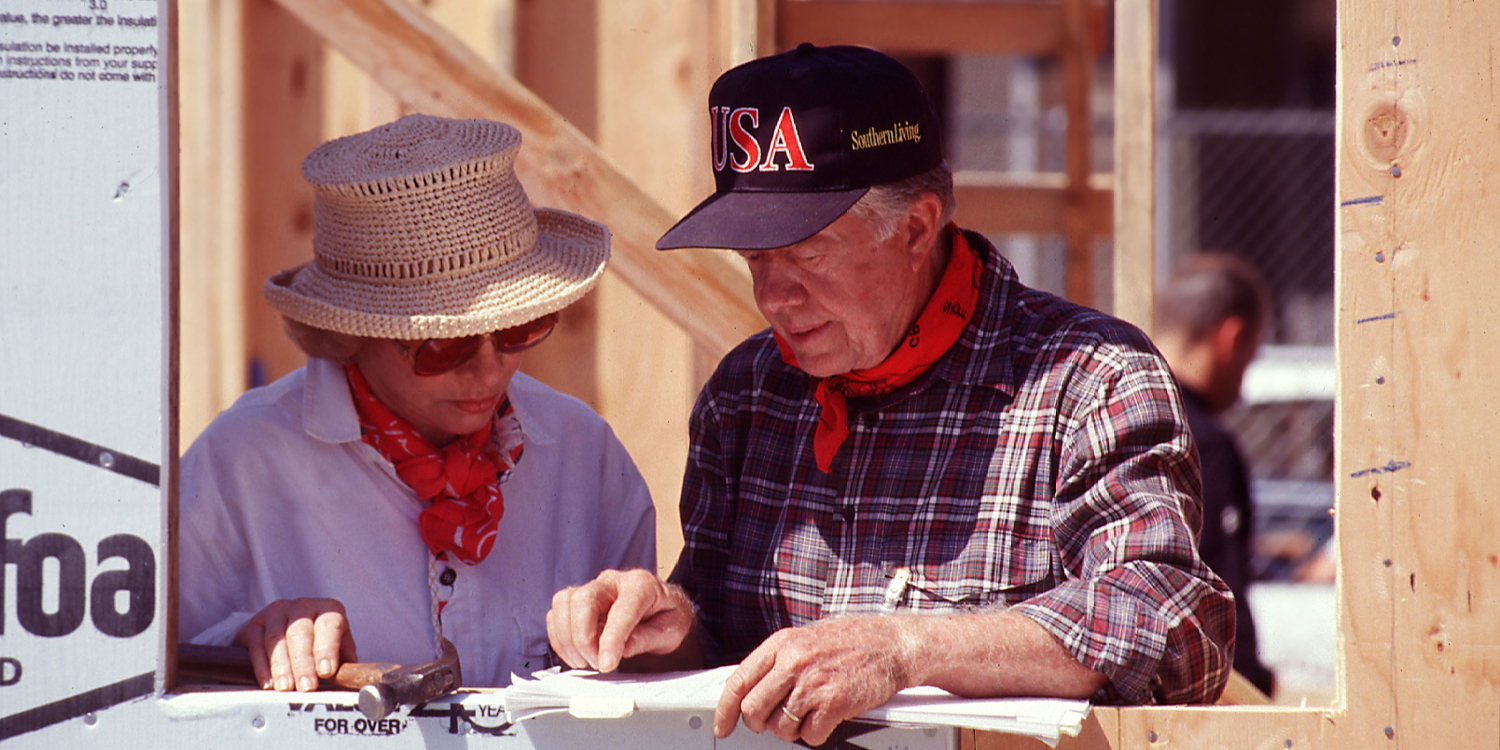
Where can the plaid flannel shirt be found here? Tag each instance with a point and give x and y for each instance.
(1044, 463)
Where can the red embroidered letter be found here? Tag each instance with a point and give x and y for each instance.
(743, 139)
(786, 141)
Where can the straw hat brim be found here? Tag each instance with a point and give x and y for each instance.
(566, 263)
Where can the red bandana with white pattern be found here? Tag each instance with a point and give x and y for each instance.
(461, 481)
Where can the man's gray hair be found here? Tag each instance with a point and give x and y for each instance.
(885, 205)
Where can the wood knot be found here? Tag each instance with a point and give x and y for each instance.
(1387, 129)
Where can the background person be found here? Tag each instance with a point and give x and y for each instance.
(409, 484)
(925, 473)
(1210, 316)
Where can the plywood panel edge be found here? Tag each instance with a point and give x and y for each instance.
(1208, 727)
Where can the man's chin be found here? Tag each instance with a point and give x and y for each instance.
(819, 366)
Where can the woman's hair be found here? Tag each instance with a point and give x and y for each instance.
(322, 343)
(885, 205)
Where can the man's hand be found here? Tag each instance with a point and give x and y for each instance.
(619, 615)
(293, 642)
(802, 682)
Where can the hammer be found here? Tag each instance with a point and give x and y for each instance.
(382, 687)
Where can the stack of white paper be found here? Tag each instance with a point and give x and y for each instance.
(1046, 719)
(588, 694)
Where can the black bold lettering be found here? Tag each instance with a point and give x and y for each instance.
(70, 595)
(11, 501)
(10, 671)
(139, 579)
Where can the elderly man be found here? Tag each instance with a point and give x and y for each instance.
(925, 473)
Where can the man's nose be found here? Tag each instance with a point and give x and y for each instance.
(777, 286)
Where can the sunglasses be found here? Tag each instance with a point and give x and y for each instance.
(437, 356)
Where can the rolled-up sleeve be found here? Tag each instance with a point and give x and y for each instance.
(1137, 604)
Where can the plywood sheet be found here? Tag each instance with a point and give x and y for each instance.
(1419, 530)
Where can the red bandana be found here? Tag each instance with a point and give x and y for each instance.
(461, 481)
(936, 330)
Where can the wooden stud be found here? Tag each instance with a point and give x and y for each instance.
(1077, 59)
(570, 360)
(210, 270)
(647, 95)
(1416, 275)
(283, 91)
(171, 404)
(918, 26)
(1134, 270)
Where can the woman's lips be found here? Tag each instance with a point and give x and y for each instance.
(476, 405)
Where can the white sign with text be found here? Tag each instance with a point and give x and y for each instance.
(82, 350)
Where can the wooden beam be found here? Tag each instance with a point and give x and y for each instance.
(282, 121)
(998, 203)
(652, 89)
(1419, 527)
(1231, 727)
(172, 444)
(1020, 27)
(432, 71)
(1078, 80)
(570, 360)
(211, 270)
(1135, 161)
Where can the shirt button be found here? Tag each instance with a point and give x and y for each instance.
(447, 577)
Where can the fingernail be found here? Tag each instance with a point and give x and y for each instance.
(306, 684)
(325, 667)
(283, 683)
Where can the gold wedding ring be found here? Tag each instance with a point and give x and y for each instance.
(788, 713)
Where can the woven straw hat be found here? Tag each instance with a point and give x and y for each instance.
(421, 230)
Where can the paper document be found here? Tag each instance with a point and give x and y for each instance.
(587, 694)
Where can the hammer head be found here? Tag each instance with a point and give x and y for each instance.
(406, 686)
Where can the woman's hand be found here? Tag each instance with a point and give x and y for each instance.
(623, 615)
(294, 642)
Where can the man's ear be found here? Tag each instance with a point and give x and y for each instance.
(922, 230)
(1230, 338)
(1225, 335)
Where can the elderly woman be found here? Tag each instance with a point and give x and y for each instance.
(409, 485)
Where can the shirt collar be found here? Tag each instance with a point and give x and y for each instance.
(983, 354)
(327, 406)
(523, 394)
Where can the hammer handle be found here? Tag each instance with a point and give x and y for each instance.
(232, 665)
(355, 675)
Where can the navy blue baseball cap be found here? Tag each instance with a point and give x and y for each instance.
(800, 137)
